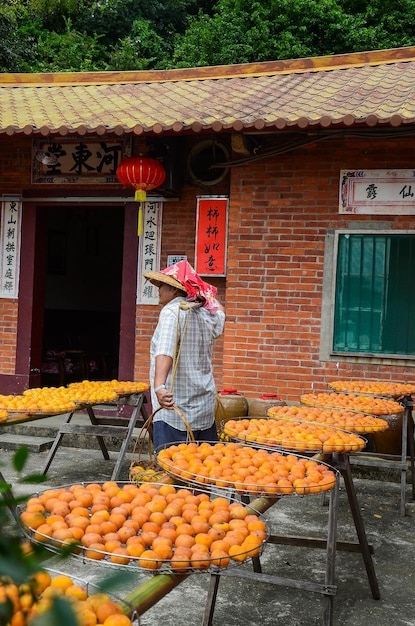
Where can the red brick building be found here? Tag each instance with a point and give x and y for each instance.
(315, 157)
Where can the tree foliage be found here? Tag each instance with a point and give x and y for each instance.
(85, 35)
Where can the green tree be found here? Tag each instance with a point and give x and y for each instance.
(80, 35)
(142, 49)
(13, 49)
(240, 31)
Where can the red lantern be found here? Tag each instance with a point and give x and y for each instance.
(142, 174)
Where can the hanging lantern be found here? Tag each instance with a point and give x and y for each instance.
(142, 174)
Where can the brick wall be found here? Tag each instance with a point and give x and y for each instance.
(280, 211)
(8, 328)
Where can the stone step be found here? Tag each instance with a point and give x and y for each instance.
(9, 441)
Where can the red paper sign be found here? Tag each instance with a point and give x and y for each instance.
(211, 235)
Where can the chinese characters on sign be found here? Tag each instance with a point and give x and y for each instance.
(69, 161)
(10, 247)
(372, 192)
(211, 235)
(149, 252)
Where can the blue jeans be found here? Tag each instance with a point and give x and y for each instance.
(163, 434)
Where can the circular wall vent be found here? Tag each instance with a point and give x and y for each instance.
(202, 159)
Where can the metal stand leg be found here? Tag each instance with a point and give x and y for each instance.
(345, 469)
(411, 446)
(403, 460)
(211, 599)
(328, 611)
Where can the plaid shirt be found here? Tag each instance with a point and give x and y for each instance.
(194, 388)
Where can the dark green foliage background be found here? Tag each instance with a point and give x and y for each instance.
(90, 35)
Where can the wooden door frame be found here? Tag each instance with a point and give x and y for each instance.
(31, 295)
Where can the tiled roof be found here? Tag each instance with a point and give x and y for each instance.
(363, 89)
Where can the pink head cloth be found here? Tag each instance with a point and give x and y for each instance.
(196, 288)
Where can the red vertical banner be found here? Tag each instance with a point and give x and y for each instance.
(211, 235)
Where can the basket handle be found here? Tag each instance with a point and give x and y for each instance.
(146, 428)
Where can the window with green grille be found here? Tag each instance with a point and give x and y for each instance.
(374, 310)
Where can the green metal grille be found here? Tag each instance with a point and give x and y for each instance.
(375, 294)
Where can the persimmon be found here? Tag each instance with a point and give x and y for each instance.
(163, 547)
(61, 581)
(95, 551)
(179, 562)
(199, 560)
(186, 541)
(124, 533)
(169, 533)
(120, 556)
(112, 544)
(199, 523)
(150, 560)
(158, 518)
(41, 580)
(32, 519)
(89, 538)
(237, 553)
(106, 608)
(43, 532)
(134, 550)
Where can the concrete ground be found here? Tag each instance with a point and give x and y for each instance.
(244, 602)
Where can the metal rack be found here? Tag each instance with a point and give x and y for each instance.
(330, 544)
(399, 464)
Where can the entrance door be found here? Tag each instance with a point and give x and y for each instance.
(82, 293)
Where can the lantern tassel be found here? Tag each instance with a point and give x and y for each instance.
(140, 220)
(140, 197)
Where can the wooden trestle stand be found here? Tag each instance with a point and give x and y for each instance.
(340, 462)
(124, 430)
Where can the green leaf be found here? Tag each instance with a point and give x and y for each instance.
(20, 458)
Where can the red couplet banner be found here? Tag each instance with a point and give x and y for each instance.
(211, 235)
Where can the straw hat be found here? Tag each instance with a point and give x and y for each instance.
(158, 277)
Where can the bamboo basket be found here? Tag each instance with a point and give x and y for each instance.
(147, 470)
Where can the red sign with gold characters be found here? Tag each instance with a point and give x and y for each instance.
(211, 235)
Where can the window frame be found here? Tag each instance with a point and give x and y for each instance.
(329, 293)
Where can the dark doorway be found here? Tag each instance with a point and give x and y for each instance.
(82, 304)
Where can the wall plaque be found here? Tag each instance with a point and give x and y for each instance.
(377, 192)
(64, 161)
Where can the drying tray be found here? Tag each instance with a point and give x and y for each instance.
(248, 470)
(373, 388)
(292, 434)
(371, 405)
(196, 563)
(46, 401)
(346, 420)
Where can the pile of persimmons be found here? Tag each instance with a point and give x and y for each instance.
(378, 388)
(33, 599)
(55, 400)
(150, 526)
(352, 402)
(293, 434)
(347, 420)
(245, 469)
